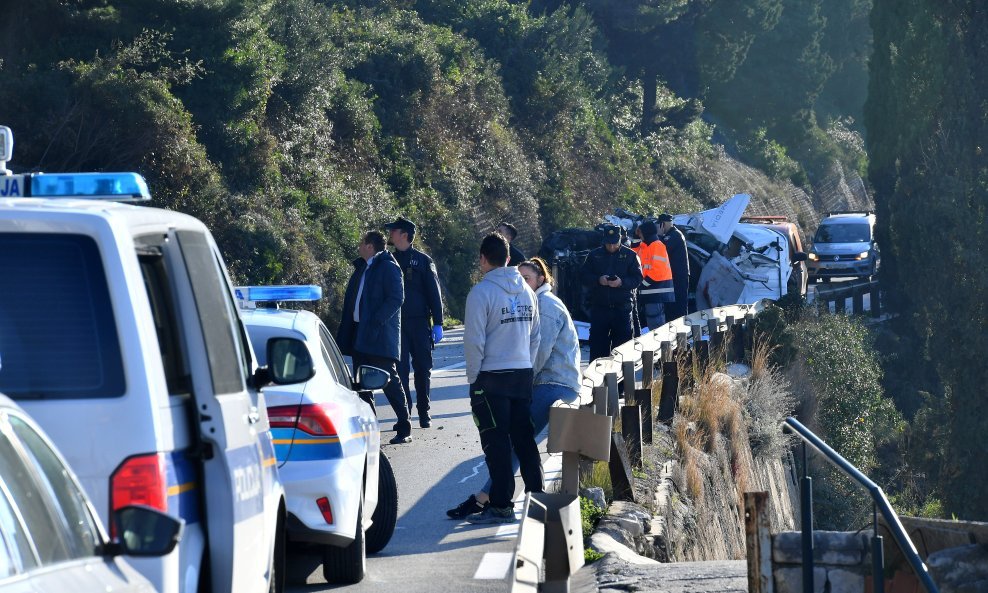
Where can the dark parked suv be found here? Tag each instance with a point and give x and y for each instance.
(844, 246)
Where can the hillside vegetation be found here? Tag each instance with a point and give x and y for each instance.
(289, 126)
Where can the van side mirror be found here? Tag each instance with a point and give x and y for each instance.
(145, 531)
(799, 256)
(289, 361)
(371, 377)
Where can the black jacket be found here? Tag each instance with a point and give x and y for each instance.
(624, 264)
(422, 297)
(679, 261)
(515, 254)
(379, 330)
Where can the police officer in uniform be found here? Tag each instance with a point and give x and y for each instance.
(679, 261)
(612, 272)
(421, 315)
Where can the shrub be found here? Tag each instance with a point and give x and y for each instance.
(853, 417)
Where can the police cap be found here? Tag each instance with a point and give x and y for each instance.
(665, 217)
(612, 234)
(401, 224)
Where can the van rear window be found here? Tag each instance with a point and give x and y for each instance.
(58, 338)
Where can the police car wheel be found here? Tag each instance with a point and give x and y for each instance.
(386, 514)
(348, 564)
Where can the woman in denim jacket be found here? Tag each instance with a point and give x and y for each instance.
(557, 365)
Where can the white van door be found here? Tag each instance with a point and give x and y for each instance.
(233, 461)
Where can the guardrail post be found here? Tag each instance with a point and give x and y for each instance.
(666, 348)
(877, 555)
(840, 303)
(701, 348)
(600, 400)
(748, 342)
(628, 381)
(575, 432)
(563, 540)
(806, 518)
(857, 301)
(644, 395)
(622, 479)
(758, 543)
(669, 398)
(529, 550)
(730, 350)
(876, 300)
(631, 415)
(610, 379)
(715, 333)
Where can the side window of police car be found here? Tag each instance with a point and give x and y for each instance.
(36, 504)
(334, 358)
(217, 315)
(166, 322)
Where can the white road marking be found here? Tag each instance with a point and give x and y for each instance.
(495, 565)
(451, 367)
(476, 471)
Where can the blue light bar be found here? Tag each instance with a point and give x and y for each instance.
(91, 186)
(309, 292)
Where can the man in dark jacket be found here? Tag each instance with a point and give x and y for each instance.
(371, 325)
(421, 315)
(509, 232)
(679, 260)
(612, 272)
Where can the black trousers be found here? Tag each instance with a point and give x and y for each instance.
(416, 352)
(609, 328)
(501, 402)
(393, 390)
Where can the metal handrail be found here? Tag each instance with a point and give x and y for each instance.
(877, 496)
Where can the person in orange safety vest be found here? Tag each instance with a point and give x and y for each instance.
(657, 287)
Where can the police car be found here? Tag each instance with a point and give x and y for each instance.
(342, 495)
(120, 336)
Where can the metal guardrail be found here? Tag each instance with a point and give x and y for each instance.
(881, 504)
(854, 290)
(584, 429)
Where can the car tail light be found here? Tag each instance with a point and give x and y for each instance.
(311, 418)
(326, 509)
(140, 480)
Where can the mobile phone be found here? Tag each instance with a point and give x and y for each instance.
(612, 277)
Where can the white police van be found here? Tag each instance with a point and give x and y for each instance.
(120, 336)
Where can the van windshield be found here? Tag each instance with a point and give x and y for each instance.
(58, 338)
(843, 233)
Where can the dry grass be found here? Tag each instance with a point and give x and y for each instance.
(711, 420)
(761, 357)
(599, 475)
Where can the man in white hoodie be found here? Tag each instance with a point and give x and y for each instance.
(500, 343)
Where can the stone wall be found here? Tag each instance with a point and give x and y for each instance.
(841, 561)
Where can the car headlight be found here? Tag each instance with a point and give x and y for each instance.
(863, 255)
(812, 257)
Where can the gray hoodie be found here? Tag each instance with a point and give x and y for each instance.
(501, 324)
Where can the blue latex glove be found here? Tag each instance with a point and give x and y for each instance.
(437, 334)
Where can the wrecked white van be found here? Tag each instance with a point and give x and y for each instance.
(734, 262)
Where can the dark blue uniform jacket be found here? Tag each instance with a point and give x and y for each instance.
(422, 298)
(679, 261)
(379, 330)
(624, 264)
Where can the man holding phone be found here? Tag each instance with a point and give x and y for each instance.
(611, 272)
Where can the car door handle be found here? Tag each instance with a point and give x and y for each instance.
(254, 416)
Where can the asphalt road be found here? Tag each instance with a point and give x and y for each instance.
(436, 471)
